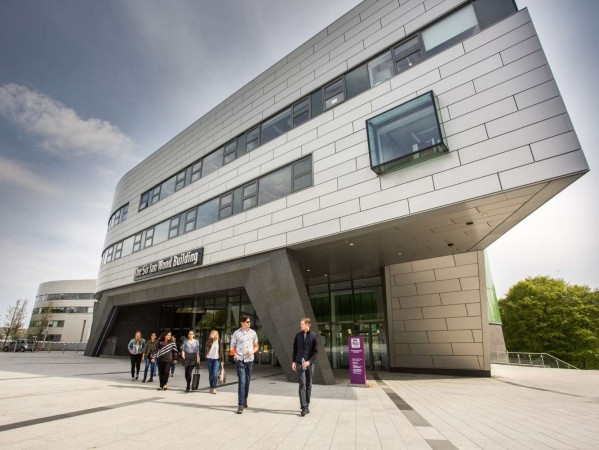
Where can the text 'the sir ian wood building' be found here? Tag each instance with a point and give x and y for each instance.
(357, 181)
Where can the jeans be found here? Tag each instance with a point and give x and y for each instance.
(163, 372)
(150, 365)
(173, 368)
(213, 368)
(304, 377)
(244, 375)
(135, 364)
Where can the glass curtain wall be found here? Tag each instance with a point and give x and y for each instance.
(350, 307)
(214, 311)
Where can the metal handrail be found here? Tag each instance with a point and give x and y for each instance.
(531, 359)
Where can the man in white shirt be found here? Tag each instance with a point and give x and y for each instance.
(244, 343)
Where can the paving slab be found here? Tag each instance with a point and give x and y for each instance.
(68, 401)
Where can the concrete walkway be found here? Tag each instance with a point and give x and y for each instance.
(63, 401)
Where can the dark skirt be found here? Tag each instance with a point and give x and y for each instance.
(191, 359)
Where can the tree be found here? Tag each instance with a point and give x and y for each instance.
(14, 319)
(547, 315)
(46, 313)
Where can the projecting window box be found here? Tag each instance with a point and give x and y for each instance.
(405, 135)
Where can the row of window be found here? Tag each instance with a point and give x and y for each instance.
(64, 310)
(280, 183)
(46, 297)
(49, 324)
(400, 57)
(118, 216)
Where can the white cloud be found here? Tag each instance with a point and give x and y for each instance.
(15, 174)
(59, 128)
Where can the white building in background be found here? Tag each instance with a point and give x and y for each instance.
(63, 311)
(357, 181)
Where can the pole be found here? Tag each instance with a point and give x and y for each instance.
(81, 338)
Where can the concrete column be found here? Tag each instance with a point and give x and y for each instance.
(278, 294)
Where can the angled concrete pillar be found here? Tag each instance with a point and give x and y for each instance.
(278, 294)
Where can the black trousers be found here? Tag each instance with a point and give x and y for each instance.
(304, 377)
(135, 364)
(163, 372)
(188, 374)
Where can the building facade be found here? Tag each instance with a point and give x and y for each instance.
(357, 181)
(63, 311)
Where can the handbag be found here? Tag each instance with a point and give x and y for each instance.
(195, 382)
(222, 375)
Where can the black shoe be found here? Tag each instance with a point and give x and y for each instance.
(159, 389)
(240, 410)
(143, 381)
(187, 389)
(150, 380)
(245, 405)
(303, 413)
(137, 378)
(307, 410)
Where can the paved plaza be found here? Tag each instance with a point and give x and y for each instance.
(64, 400)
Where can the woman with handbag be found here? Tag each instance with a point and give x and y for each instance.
(191, 356)
(215, 357)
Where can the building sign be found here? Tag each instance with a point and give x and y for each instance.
(175, 263)
(357, 364)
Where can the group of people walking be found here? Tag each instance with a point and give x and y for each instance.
(163, 353)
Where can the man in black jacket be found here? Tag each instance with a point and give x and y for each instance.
(305, 352)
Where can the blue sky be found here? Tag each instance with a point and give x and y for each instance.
(88, 89)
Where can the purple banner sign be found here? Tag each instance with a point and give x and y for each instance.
(357, 365)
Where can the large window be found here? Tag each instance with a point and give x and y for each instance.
(405, 134)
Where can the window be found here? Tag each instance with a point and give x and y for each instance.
(173, 228)
(208, 213)
(196, 171)
(190, 220)
(127, 246)
(333, 94)
(252, 139)
(161, 233)
(380, 69)
(302, 174)
(407, 54)
(301, 112)
(118, 249)
(249, 196)
(143, 203)
(180, 182)
(155, 196)
(149, 237)
(212, 162)
(109, 255)
(274, 185)
(167, 188)
(316, 104)
(137, 242)
(226, 206)
(230, 152)
(357, 81)
(118, 216)
(453, 28)
(405, 134)
(276, 126)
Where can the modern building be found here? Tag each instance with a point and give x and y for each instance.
(358, 181)
(63, 311)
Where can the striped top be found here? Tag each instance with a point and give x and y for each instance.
(166, 352)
